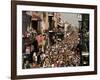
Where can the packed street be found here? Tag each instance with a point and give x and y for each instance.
(58, 45)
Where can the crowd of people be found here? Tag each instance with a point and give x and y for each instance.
(41, 50)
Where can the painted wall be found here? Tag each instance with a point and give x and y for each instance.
(5, 40)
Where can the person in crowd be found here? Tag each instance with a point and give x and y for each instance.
(35, 45)
(34, 65)
(34, 57)
(46, 62)
(27, 65)
(39, 56)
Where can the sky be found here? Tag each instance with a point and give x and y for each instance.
(71, 18)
